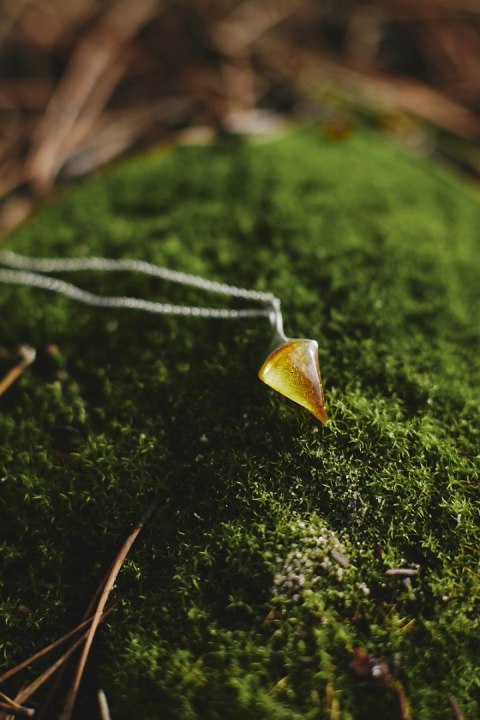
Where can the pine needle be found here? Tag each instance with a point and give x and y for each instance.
(27, 692)
(27, 357)
(108, 586)
(14, 707)
(103, 706)
(456, 709)
(41, 653)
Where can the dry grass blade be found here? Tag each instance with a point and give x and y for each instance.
(27, 357)
(107, 588)
(41, 653)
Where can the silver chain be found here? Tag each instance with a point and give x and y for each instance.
(33, 272)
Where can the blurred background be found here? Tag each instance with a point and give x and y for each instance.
(83, 82)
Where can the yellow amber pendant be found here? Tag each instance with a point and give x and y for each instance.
(293, 370)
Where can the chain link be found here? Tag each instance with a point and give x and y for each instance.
(29, 271)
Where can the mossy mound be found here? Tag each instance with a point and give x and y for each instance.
(237, 600)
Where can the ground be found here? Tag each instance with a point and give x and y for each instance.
(262, 574)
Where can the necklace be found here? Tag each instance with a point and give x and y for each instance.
(291, 368)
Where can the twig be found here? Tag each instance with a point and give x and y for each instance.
(108, 586)
(27, 357)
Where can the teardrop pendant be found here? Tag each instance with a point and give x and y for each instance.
(293, 370)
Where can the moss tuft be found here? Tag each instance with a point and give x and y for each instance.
(266, 564)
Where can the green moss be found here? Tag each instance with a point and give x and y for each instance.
(375, 255)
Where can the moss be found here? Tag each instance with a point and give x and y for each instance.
(375, 255)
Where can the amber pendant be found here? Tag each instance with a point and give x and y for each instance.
(293, 369)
